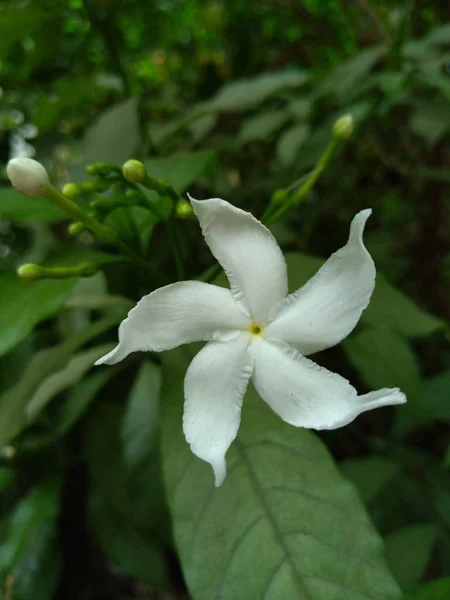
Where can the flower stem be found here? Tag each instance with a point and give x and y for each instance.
(105, 234)
(275, 212)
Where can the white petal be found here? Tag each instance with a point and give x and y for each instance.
(306, 395)
(248, 253)
(180, 313)
(325, 310)
(215, 384)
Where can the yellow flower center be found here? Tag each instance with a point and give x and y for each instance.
(255, 329)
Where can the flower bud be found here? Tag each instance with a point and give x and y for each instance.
(28, 176)
(183, 209)
(71, 190)
(343, 127)
(30, 272)
(134, 171)
(76, 228)
(100, 168)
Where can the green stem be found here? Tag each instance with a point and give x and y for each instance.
(105, 234)
(176, 247)
(134, 256)
(274, 212)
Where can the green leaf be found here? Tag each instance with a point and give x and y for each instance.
(28, 550)
(7, 477)
(76, 368)
(17, 23)
(347, 78)
(79, 398)
(439, 35)
(433, 401)
(446, 462)
(408, 551)
(383, 359)
(23, 304)
(301, 267)
(290, 143)
(133, 550)
(248, 93)
(141, 420)
(114, 137)
(200, 127)
(392, 308)
(285, 523)
(430, 121)
(13, 401)
(262, 126)
(369, 474)
(433, 590)
(140, 447)
(19, 207)
(180, 170)
(428, 405)
(131, 484)
(388, 307)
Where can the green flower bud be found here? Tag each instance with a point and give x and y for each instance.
(76, 228)
(183, 209)
(100, 168)
(71, 190)
(343, 127)
(30, 272)
(134, 171)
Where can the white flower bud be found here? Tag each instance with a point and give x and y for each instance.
(28, 176)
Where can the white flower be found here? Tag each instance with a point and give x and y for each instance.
(28, 176)
(255, 330)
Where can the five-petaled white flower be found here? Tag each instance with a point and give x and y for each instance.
(255, 330)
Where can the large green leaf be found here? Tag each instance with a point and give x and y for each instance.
(19, 207)
(433, 590)
(383, 359)
(24, 303)
(345, 80)
(369, 474)
(79, 398)
(392, 308)
(133, 550)
(114, 137)
(180, 170)
(127, 476)
(285, 523)
(261, 127)
(140, 446)
(13, 402)
(17, 23)
(76, 368)
(248, 93)
(430, 120)
(290, 143)
(429, 404)
(408, 552)
(28, 550)
(388, 307)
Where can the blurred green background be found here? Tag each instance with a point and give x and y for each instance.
(237, 100)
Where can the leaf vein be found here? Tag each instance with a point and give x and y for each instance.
(285, 488)
(271, 518)
(339, 549)
(233, 551)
